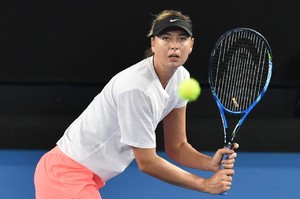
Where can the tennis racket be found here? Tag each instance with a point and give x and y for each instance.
(240, 70)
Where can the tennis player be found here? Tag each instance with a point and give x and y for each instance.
(119, 125)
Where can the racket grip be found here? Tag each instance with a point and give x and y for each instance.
(225, 157)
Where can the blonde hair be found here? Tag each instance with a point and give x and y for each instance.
(164, 14)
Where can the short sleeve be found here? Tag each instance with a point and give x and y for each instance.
(136, 119)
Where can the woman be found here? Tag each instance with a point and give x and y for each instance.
(119, 125)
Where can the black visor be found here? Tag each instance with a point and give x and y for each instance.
(172, 22)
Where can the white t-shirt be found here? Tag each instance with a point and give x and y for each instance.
(124, 114)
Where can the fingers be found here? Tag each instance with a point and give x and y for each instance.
(235, 146)
(229, 173)
(227, 151)
(229, 163)
(231, 152)
(224, 151)
(226, 176)
(233, 155)
(220, 182)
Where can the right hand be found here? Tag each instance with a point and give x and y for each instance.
(220, 182)
(228, 163)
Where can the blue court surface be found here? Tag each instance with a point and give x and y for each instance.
(258, 175)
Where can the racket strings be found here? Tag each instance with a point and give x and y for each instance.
(239, 70)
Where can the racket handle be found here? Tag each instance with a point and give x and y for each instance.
(225, 157)
(224, 193)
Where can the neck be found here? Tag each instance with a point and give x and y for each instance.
(164, 75)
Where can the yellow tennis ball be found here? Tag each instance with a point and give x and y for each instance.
(189, 89)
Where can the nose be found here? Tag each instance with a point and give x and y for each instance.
(174, 45)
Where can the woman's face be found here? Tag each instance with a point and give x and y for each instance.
(171, 49)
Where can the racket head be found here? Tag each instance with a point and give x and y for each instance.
(240, 69)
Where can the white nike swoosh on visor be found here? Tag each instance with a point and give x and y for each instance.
(173, 20)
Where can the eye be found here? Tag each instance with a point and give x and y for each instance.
(183, 39)
(165, 37)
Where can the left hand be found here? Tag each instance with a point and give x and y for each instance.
(227, 164)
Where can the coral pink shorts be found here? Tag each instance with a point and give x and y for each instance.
(59, 177)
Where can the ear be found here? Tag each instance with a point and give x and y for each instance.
(192, 44)
(152, 44)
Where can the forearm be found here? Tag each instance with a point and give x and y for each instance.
(177, 146)
(186, 155)
(167, 172)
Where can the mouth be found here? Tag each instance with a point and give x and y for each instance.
(173, 56)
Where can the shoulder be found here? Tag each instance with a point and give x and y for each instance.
(181, 74)
(137, 76)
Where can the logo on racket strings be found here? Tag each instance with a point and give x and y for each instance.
(235, 102)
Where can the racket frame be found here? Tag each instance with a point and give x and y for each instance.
(244, 113)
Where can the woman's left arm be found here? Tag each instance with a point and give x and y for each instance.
(179, 150)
